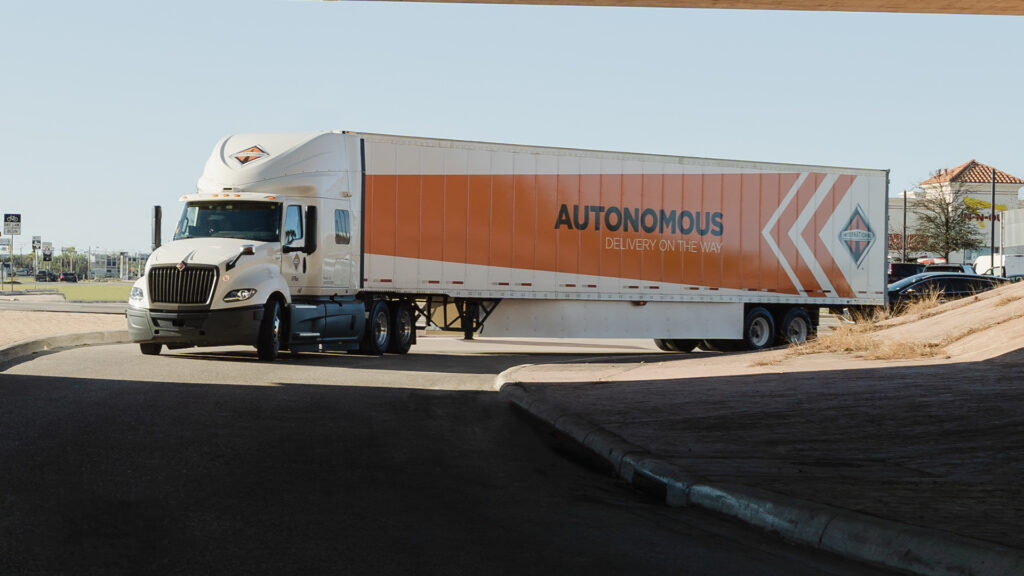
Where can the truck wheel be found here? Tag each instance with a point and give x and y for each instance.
(402, 328)
(683, 345)
(796, 327)
(268, 343)
(758, 329)
(150, 348)
(377, 337)
(663, 345)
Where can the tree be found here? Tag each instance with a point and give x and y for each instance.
(944, 221)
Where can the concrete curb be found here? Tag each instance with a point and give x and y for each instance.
(19, 352)
(855, 536)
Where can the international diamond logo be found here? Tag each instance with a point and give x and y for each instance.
(857, 236)
(249, 154)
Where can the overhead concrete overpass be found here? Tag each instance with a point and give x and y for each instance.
(1002, 7)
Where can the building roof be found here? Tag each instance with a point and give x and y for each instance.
(972, 172)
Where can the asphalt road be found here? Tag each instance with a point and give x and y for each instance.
(210, 462)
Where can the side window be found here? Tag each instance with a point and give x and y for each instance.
(959, 287)
(342, 232)
(293, 224)
(926, 287)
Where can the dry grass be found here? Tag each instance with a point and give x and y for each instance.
(922, 307)
(1004, 300)
(860, 339)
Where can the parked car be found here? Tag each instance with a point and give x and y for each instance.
(68, 277)
(45, 276)
(948, 286)
(900, 270)
(958, 268)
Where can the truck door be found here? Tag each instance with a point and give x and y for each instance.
(338, 265)
(293, 262)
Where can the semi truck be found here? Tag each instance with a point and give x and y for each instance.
(347, 241)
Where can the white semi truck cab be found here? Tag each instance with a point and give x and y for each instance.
(266, 253)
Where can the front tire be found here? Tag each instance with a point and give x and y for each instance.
(268, 343)
(150, 348)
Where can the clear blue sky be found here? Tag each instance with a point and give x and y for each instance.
(107, 108)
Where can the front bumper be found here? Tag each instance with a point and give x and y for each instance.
(195, 328)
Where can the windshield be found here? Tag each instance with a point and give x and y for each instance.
(260, 221)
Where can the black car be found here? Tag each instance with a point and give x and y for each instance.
(964, 268)
(45, 276)
(900, 270)
(948, 286)
(68, 277)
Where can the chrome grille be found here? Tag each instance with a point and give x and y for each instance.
(190, 285)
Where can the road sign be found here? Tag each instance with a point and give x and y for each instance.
(12, 224)
(5, 245)
(36, 242)
(47, 251)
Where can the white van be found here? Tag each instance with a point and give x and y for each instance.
(1006, 265)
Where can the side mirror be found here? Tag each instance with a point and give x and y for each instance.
(311, 230)
(243, 250)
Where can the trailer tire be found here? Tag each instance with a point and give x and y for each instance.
(796, 327)
(150, 348)
(377, 337)
(268, 342)
(403, 329)
(758, 329)
(683, 345)
(663, 345)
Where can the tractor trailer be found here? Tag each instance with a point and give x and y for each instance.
(348, 241)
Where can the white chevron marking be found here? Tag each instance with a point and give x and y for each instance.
(766, 232)
(796, 232)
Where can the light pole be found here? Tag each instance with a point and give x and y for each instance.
(904, 225)
(992, 244)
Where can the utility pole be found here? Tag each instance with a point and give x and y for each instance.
(992, 245)
(904, 225)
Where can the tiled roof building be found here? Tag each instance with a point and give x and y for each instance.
(972, 172)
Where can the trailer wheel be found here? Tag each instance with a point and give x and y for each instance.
(268, 343)
(378, 330)
(150, 348)
(683, 345)
(663, 345)
(402, 328)
(796, 327)
(758, 329)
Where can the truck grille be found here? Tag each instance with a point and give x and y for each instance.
(190, 285)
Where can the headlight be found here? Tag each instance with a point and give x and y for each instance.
(136, 297)
(239, 295)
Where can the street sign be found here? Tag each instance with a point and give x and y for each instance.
(12, 224)
(36, 242)
(5, 245)
(47, 251)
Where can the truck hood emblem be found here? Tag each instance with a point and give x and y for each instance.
(181, 266)
(249, 154)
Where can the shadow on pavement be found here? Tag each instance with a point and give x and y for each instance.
(935, 446)
(125, 477)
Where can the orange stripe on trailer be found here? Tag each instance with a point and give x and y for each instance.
(695, 229)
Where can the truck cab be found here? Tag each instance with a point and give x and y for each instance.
(264, 253)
